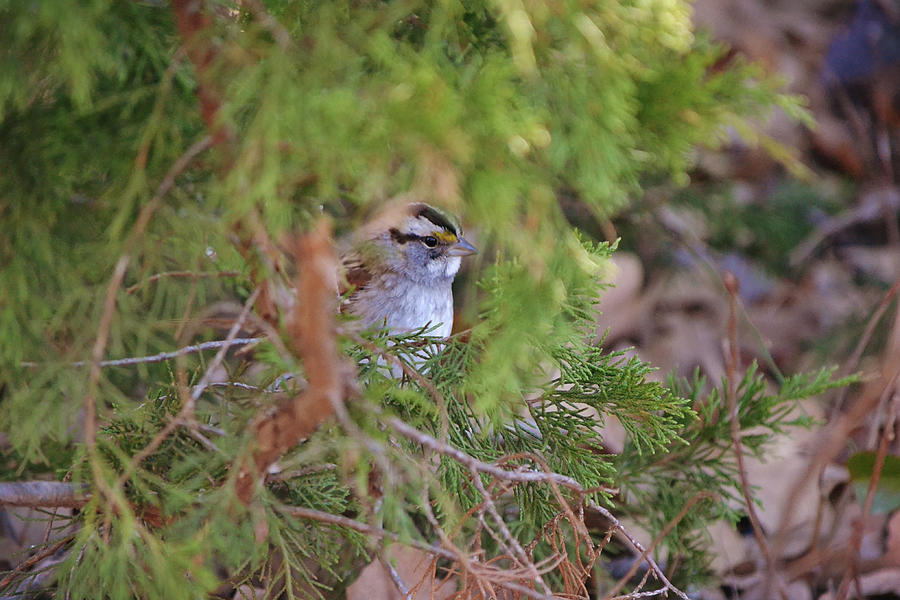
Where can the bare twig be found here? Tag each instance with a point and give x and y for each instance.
(90, 398)
(395, 576)
(840, 426)
(162, 356)
(517, 549)
(864, 340)
(265, 18)
(376, 533)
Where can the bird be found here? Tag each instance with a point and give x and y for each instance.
(399, 270)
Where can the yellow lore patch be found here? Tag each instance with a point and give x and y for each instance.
(445, 236)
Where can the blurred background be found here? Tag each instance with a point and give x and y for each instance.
(808, 222)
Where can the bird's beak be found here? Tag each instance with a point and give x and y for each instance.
(462, 248)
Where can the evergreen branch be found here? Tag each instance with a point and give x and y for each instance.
(120, 362)
(47, 494)
(188, 406)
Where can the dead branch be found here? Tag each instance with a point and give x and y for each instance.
(312, 329)
(658, 539)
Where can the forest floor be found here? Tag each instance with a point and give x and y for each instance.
(817, 253)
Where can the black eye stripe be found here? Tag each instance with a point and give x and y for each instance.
(402, 238)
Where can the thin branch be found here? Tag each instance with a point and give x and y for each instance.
(376, 533)
(835, 436)
(162, 356)
(395, 576)
(90, 398)
(732, 285)
(518, 551)
(472, 463)
(281, 35)
(864, 340)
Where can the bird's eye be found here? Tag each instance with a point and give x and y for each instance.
(430, 241)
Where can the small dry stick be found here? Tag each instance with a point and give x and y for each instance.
(90, 398)
(840, 426)
(864, 339)
(518, 551)
(733, 286)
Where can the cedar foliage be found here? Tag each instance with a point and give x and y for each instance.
(298, 109)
